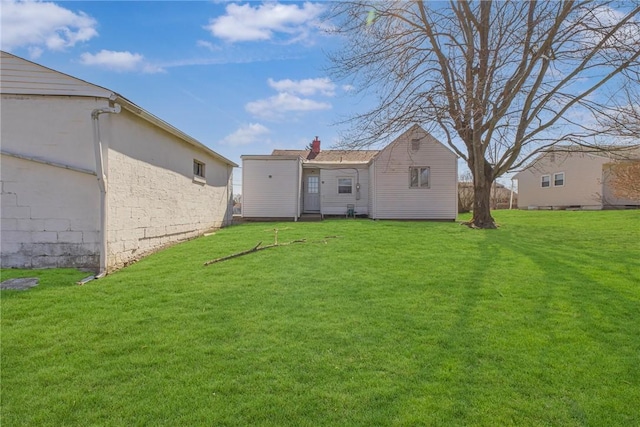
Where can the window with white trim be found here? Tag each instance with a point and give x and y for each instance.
(345, 185)
(545, 181)
(419, 177)
(558, 179)
(198, 168)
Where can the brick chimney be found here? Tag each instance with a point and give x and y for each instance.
(315, 146)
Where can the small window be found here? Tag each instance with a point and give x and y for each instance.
(198, 168)
(546, 181)
(415, 144)
(345, 185)
(419, 177)
(558, 179)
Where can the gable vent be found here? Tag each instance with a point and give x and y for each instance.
(415, 144)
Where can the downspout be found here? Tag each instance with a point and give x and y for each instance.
(299, 196)
(102, 183)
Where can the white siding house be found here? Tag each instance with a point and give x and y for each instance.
(566, 178)
(414, 177)
(91, 180)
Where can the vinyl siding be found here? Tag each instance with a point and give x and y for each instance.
(269, 188)
(582, 181)
(392, 196)
(333, 203)
(23, 77)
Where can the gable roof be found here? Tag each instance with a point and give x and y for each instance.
(615, 153)
(330, 156)
(22, 77)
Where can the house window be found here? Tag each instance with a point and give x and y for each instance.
(545, 181)
(558, 179)
(198, 168)
(419, 177)
(345, 185)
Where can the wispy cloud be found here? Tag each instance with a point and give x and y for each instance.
(243, 23)
(247, 134)
(208, 45)
(119, 61)
(43, 25)
(306, 87)
(292, 98)
(276, 107)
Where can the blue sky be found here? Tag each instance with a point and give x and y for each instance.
(242, 78)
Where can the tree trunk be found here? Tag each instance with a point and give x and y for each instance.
(482, 200)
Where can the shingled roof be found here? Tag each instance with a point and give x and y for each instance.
(331, 156)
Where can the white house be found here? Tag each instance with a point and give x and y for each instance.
(91, 180)
(414, 177)
(570, 178)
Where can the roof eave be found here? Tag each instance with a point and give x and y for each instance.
(140, 112)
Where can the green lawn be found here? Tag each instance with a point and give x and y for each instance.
(391, 323)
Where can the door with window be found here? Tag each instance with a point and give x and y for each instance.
(312, 193)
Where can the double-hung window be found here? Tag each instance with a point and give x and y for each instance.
(345, 185)
(545, 181)
(558, 179)
(419, 177)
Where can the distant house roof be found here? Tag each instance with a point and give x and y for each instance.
(331, 156)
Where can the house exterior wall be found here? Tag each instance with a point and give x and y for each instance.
(49, 214)
(392, 197)
(582, 181)
(333, 203)
(270, 188)
(154, 199)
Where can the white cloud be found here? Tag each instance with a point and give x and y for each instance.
(275, 107)
(306, 87)
(207, 45)
(248, 134)
(119, 61)
(37, 25)
(247, 23)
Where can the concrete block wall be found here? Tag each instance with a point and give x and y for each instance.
(49, 216)
(153, 198)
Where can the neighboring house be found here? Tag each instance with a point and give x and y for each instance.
(91, 180)
(414, 177)
(570, 178)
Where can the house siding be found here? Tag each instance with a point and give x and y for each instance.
(270, 188)
(392, 196)
(333, 203)
(582, 181)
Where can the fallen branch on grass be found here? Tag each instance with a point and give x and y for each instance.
(257, 248)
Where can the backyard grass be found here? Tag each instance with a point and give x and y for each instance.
(391, 323)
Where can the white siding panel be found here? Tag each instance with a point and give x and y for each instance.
(269, 188)
(394, 199)
(582, 181)
(333, 203)
(23, 77)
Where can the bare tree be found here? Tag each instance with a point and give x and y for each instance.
(498, 81)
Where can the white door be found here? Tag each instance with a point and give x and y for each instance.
(312, 193)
